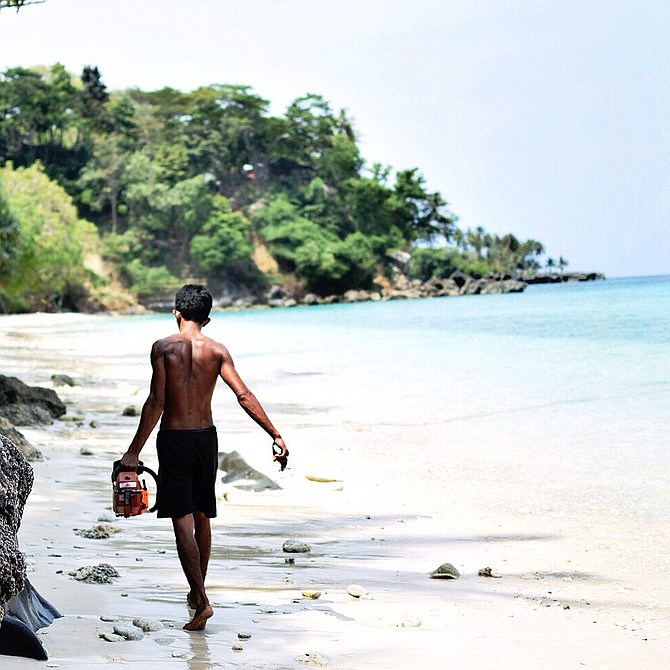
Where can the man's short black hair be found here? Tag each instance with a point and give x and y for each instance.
(193, 302)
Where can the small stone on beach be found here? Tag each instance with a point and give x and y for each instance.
(356, 590)
(238, 647)
(244, 636)
(128, 632)
(295, 547)
(112, 637)
(313, 595)
(445, 571)
(148, 625)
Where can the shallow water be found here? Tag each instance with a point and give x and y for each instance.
(561, 391)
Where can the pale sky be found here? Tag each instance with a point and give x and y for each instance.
(542, 118)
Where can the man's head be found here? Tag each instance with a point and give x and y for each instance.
(193, 302)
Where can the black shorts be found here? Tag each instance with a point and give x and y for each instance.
(187, 463)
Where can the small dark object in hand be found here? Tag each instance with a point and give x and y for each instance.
(277, 451)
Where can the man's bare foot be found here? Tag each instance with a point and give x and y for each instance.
(199, 620)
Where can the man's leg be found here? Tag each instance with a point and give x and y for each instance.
(189, 556)
(203, 538)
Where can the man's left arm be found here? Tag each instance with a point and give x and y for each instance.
(252, 406)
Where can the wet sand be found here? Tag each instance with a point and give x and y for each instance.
(571, 593)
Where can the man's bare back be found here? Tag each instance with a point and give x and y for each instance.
(192, 367)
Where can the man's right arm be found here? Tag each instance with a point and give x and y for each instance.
(151, 410)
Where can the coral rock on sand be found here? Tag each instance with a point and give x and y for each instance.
(295, 547)
(128, 631)
(95, 574)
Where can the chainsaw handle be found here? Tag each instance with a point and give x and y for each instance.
(140, 469)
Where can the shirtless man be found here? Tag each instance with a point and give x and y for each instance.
(185, 369)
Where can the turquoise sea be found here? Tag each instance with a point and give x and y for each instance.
(551, 402)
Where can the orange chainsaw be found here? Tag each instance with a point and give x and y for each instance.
(130, 495)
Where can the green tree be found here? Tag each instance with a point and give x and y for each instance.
(49, 269)
(9, 234)
(419, 214)
(93, 97)
(224, 243)
(103, 178)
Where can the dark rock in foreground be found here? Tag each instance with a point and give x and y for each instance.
(16, 481)
(22, 609)
(24, 405)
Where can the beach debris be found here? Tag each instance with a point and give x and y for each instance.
(106, 517)
(100, 532)
(313, 658)
(356, 590)
(131, 410)
(128, 632)
(295, 547)
(178, 653)
(62, 380)
(312, 595)
(109, 618)
(244, 636)
(290, 560)
(409, 622)
(489, 572)
(103, 573)
(237, 648)
(445, 571)
(566, 606)
(86, 451)
(111, 637)
(148, 625)
(325, 480)
(93, 423)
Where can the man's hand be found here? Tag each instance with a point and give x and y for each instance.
(129, 461)
(280, 453)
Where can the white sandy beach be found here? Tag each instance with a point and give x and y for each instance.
(576, 590)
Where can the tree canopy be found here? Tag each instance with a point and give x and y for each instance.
(187, 185)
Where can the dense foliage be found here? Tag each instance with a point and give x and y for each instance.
(183, 186)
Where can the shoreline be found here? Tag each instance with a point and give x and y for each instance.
(400, 288)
